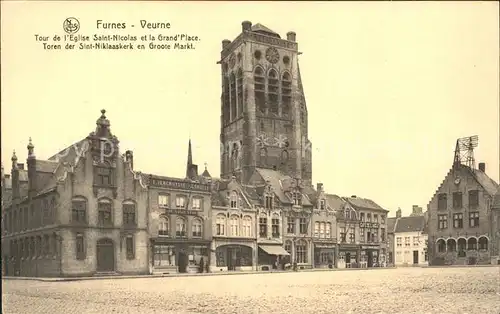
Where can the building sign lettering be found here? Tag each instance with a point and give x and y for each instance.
(176, 211)
(174, 184)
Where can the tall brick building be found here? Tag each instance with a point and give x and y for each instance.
(79, 213)
(460, 223)
(263, 108)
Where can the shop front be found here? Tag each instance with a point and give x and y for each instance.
(272, 256)
(174, 256)
(324, 255)
(370, 256)
(349, 256)
(233, 254)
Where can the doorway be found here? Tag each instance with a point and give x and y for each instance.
(182, 262)
(415, 257)
(230, 259)
(390, 258)
(105, 255)
(369, 255)
(348, 259)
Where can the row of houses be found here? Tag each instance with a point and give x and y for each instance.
(87, 210)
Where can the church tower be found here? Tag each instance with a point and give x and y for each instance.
(263, 108)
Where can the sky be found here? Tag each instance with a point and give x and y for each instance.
(389, 87)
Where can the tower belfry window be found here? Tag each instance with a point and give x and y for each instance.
(286, 94)
(260, 89)
(239, 83)
(232, 83)
(272, 91)
(226, 102)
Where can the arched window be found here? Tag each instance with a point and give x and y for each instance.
(301, 249)
(441, 244)
(105, 217)
(286, 94)
(226, 107)
(316, 229)
(79, 210)
(220, 225)
(328, 230)
(260, 89)
(234, 223)
(180, 227)
(263, 225)
(272, 91)
(472, 244)
(284, 156)
(322, 230)
(247, 226)
(239, 83)
(275, 225)
(232, 82)
(129, 219)
(163, 227)
(483, 243)
(234, 200)
(452, 245)
(197, 228)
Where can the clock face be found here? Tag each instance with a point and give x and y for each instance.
(457, 181)
(272, 55)
(232, 60)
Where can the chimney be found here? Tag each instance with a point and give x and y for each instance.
(353, 196)
(246, 26)
(291, 36)
(129, 157)
(225, 43)
(398, 213)
(319, 187)
(482, 167)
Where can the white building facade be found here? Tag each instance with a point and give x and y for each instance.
(410, 242)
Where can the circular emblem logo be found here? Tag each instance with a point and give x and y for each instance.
(71, 25)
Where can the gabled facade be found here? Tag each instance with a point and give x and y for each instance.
(391, 225)
(82, 212)
(324, 230)
(234, 245)
(410, 240)
(180, 221)
(362, 231)
(459, 224)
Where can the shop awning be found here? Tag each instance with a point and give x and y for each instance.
(274, 249)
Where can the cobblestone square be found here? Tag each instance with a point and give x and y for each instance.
(404, 290)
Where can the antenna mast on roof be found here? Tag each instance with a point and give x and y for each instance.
(464, 151)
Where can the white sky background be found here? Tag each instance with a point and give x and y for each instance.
(389, 87)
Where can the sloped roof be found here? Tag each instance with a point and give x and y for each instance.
(335, 202)
(496, 199)
(259, 28)
(410, 224)
(391, 224)
(47, 166)
(363, 203)
(486, 182)
(280, 184)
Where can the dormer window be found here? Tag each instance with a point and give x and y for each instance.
(233, 200)
(269, 201)
(297, 198)
(322, 204)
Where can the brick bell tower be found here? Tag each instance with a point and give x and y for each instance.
(263, 108)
